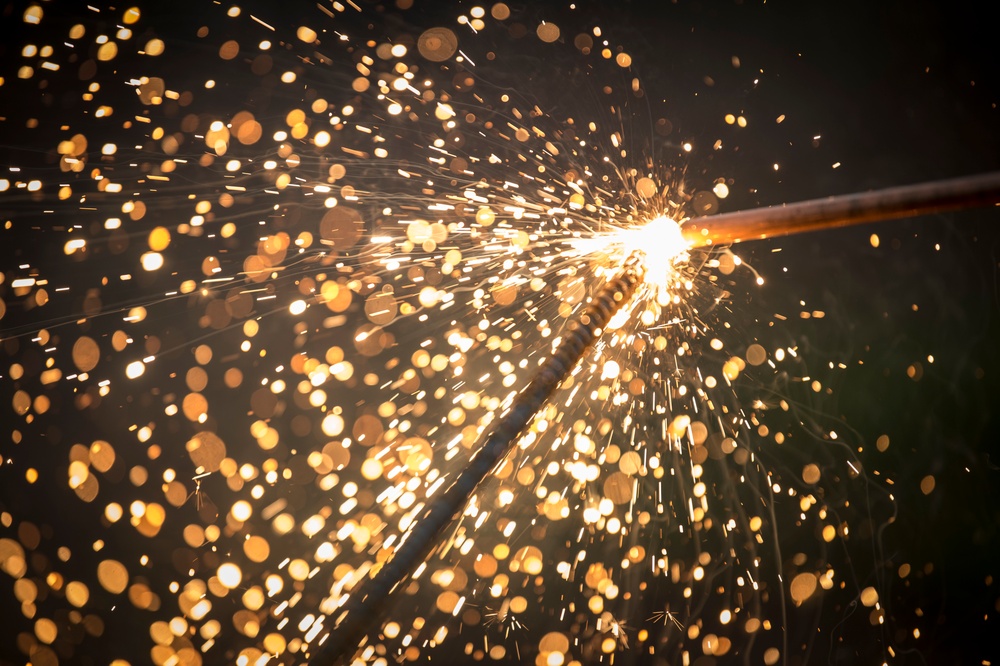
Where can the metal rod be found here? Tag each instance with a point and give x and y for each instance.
(364, 607)
(846, 210)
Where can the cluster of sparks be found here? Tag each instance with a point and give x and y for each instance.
(289, 297)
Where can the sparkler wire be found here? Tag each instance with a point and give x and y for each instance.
(846, 210)
(365, 606)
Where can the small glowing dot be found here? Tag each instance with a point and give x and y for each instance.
(229, 575)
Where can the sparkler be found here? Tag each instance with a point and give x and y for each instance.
(421, 231)
(364, 607)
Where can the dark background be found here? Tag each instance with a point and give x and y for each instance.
(898, 92)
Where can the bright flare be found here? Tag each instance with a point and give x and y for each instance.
(659, 241)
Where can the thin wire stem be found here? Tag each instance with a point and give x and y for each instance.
(845, 210)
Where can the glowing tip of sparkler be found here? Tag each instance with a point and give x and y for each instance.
(662, 246)
(659, 245)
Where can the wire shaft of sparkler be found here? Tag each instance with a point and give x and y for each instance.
(846, 210)
(365, 606)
